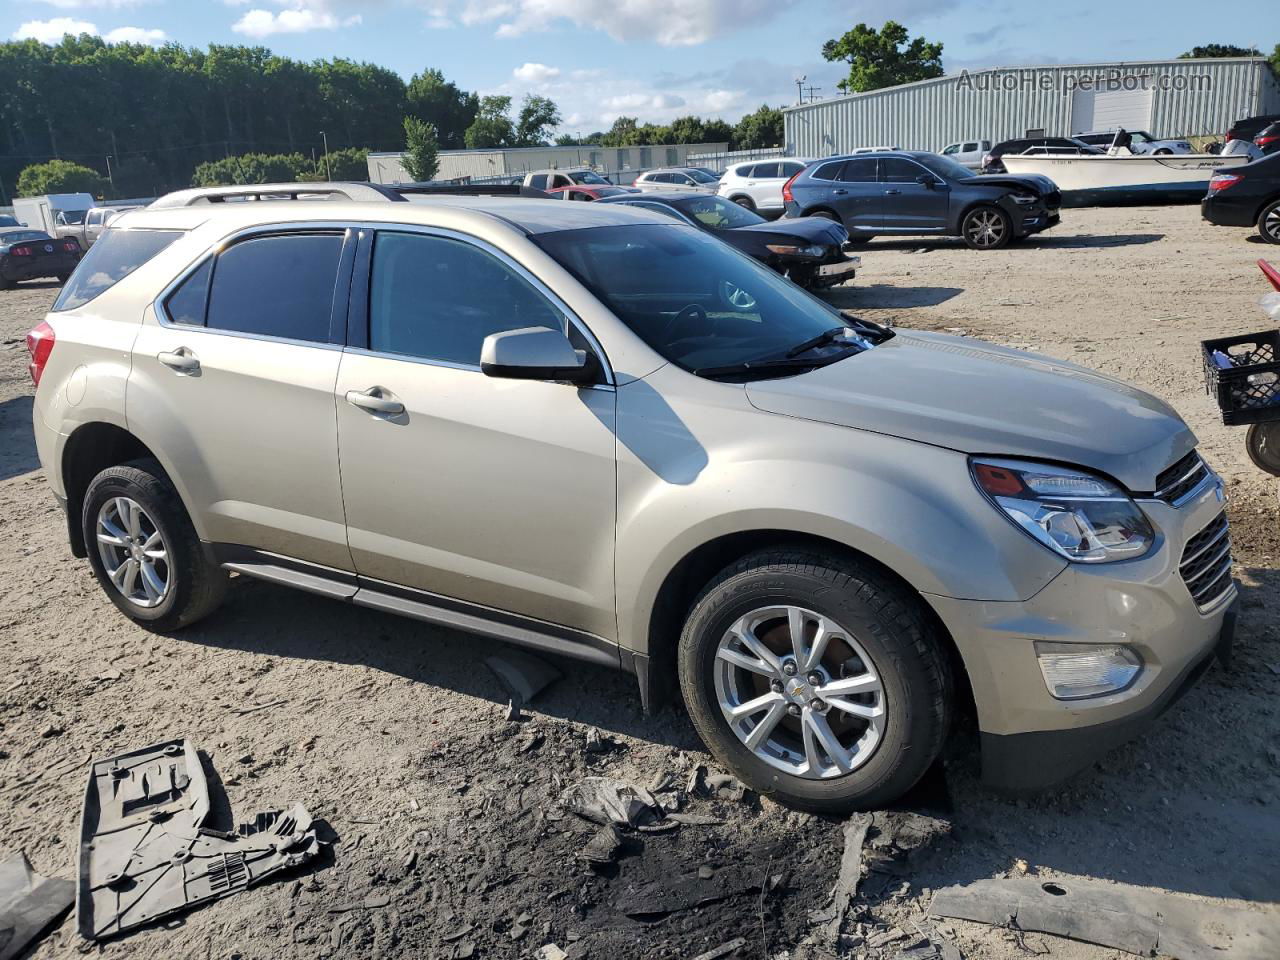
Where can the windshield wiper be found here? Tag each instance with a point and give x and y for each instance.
(821, 340)
(781, 365)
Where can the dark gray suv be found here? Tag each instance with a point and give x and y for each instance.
(922, 193)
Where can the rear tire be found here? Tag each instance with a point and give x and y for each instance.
(7, 284)
(880, 636)
(1269, 222)
(823, 215)
(745, 202)
(1263, 443)
(133, 519)
(986, 228)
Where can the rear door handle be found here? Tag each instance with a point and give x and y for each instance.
(182, 360)
(375, 400)
(892, 193)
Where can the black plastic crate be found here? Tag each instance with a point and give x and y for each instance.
(1249, 390)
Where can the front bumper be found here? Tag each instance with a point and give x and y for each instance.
(1029, 738)
(1036, 221)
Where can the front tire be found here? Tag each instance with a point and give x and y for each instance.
(986, 228)
(1269, 222)
(1263, 443)
(848, 717)
(144, 550)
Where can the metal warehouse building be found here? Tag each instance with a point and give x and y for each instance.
(514, 161)
(1167, 98)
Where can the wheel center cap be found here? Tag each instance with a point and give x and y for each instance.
(799, 690)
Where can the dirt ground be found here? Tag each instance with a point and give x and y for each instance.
(446, 837)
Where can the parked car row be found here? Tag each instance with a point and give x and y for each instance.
(826, 536)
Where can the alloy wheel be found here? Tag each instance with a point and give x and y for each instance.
(133, 552)
(985, 228)
(1272, 224)
(799, 692)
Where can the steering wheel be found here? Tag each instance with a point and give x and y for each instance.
(691, 312)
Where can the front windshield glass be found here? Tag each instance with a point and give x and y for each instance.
(73, 216)
(717, 213)
(945, 167)
(586, 176)
(701, 176)
(693, 298)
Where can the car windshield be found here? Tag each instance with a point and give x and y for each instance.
(72, 216)
(717, 213)
(701, 176)
(944, 167)
(694, 299)
(17, 236)
(586, 176)
(8, 221)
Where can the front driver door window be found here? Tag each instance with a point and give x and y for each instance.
(490, 491)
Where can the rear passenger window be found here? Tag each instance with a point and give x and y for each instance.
(766, 171)
(538, 180)
(116, 255)
(277, 286)
(436, 298)
(859, 170)
(187, 303)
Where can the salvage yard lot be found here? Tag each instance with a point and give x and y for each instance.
(446, 834)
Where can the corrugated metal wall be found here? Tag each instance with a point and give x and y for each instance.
(1205, 98)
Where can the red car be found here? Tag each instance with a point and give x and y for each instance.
(589, 191)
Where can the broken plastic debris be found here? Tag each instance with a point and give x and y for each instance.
(523, 674)
(29, 904)
(604, 800)
(144, 849)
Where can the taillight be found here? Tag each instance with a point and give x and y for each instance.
(40, 345)
(71, 246)
(20, 252)
(1263, 141)
(1220, 181)
(787, 196)
(1229, 137)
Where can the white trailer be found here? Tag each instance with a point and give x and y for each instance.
(49, 212)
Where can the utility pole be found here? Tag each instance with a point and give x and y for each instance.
(328, 174)
(812, 91)
(800, 87)
(110, 176)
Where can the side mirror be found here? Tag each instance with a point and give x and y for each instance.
(535, 353)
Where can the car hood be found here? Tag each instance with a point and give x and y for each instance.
(809, 229)
(982, 399)
(1037, 182)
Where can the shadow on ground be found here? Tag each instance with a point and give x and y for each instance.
(889, 296)
(18, 453)
(1038, 241)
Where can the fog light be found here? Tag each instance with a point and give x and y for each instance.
(1073, 671)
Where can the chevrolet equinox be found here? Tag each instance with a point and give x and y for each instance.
(604, 434)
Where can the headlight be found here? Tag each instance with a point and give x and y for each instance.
(1073, 671)
(790, 250)
(1025, 199)
(1081, 516)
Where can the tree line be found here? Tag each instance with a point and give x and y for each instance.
(133, 120)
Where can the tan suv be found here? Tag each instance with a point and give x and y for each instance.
(605, 434)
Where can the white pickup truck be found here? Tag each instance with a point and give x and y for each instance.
(88, 228)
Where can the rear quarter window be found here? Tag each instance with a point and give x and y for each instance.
(116, 255)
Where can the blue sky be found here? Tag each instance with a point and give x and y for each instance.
(656, 59)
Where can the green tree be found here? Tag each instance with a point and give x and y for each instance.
(439, 102)
(717, 131)
(422, 153)
(623, 133)
(60, 176)
(688, 130)
(883, 58)
(764, 128)
(538, 116)
(1215, 50)
(492, 126)
(1274, 60)
(252, 168)
(349, 163)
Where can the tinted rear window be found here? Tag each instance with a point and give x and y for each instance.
(116, 255)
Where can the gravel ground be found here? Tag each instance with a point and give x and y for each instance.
(446, 838)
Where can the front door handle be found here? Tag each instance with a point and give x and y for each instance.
(840, 192)
(182, 360)
(892, 193)
(375, 400)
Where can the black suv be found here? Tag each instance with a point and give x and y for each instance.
(1250, 127)
(922, 193)
(991, 163)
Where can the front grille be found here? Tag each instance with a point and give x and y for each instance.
(1181, 478)
(1206, 563)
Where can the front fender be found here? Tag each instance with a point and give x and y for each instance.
(696, 462)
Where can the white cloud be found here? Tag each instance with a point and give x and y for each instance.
(92, 4)
(52, 31)
(298, 16)
(135, 35)
(535, 74)
(669, 23)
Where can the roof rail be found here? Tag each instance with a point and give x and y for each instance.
(433, 188)
(278, 191)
